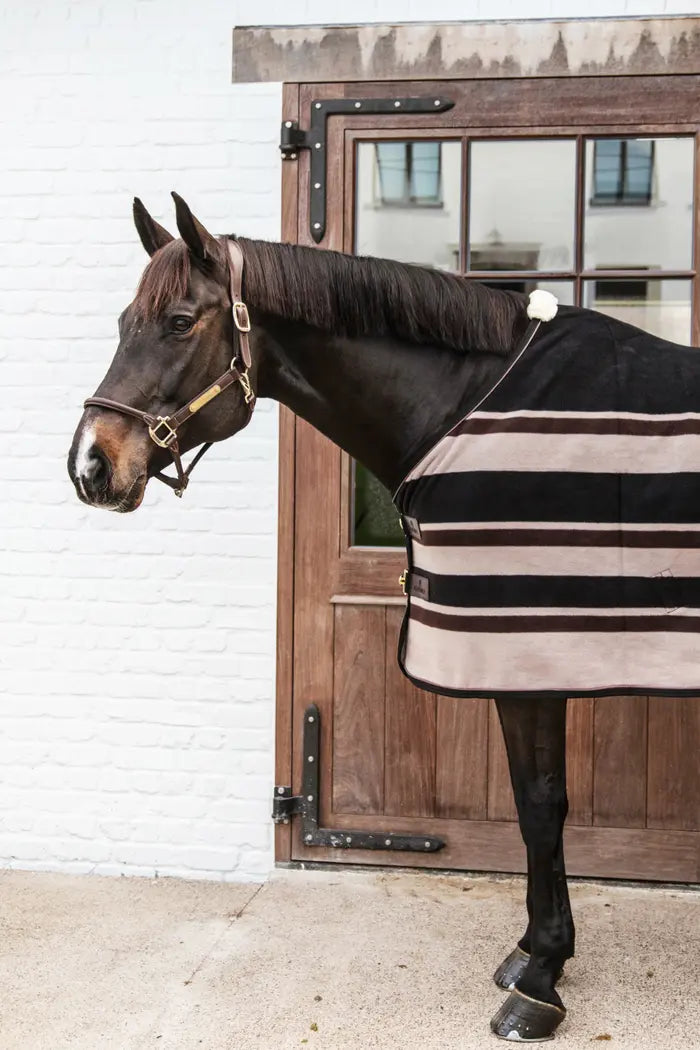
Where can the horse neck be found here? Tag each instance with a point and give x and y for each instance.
(382, 393)
(383, 401)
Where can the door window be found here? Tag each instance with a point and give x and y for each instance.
(600, 221)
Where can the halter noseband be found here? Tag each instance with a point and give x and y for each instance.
(163, 429)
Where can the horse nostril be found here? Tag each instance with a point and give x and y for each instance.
(96, 472)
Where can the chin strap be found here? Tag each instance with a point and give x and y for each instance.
(163, 430)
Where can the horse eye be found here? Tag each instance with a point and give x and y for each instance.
(181, 323)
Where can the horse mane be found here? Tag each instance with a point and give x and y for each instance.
(353, 296)
(357, 296)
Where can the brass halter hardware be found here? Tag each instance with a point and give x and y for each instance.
(163, 429)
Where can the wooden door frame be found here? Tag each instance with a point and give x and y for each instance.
(498, 837)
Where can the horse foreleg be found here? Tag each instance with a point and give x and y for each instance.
(535, 736)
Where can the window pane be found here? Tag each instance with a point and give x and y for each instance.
(639, 161)
(607, 169)
(522, 205)
(425, 171)
(376, 518)
(638, 204)
(392, 168)
(659, 307)
(408, 202)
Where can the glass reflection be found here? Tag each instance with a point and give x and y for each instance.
(564, 290)
(522, 205)
(376, 519)
(661, 307)
(407, 203)
(638, 204)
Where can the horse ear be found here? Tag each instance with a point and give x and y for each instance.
(198, 239)
(153, 235)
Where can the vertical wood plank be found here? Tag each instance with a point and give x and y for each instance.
(695, 317)
(674, 763)
(410, 737)
(461, 777)
(315, 552)
(358, 709)
(501, 804)
(620, 762)
(285, 527)
(579, 760)
(317, 520)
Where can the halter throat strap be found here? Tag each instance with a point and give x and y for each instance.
(163, 430)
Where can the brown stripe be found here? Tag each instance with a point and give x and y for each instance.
(666, 538)
(533, 624)
(567, 425)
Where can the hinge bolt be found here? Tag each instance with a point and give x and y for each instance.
(309, 838)
(287, 123)
(310, 758)
(318, 105)
(280, 791)
(317, 145)
(397, 104)
(309, 798)
(311, 718)
(357, 105)
(387, 842)
(427, 845)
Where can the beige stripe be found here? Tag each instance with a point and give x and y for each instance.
(652, 417)
(585, 526)
(556, 561)
(546, 610)
(568, 662)
(587, 453)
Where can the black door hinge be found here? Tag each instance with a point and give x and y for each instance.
(293, 139)
(285, 805)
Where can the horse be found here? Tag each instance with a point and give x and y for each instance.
(384, 358)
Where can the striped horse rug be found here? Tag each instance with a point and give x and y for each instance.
(553, 534)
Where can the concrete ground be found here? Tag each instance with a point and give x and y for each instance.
(327, 961)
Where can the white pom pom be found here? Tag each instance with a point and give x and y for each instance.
(543, 306)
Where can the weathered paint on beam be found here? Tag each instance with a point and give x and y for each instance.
(467, 50)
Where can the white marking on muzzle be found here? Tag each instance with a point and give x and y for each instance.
(87, 440)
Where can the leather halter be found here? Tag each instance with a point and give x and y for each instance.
(163, 430)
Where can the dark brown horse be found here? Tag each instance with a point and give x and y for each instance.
(380, 357)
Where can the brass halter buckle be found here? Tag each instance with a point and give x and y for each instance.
(241, 317)
(166, 440)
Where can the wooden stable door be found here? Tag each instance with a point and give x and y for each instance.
(588, 188)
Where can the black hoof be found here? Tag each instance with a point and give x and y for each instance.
(511, 969)
(527, 1020)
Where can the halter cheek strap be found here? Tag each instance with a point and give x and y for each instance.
(163, 430)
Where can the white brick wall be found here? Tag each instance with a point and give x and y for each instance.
(137, 652)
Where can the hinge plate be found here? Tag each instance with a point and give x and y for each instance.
(286, 805)
(293, 139)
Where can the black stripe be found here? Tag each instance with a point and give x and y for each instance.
(677, 539)
(566, 592)
(556, 496)
(554, 624)
(587, 425)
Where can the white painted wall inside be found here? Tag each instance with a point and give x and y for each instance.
(137, 653)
